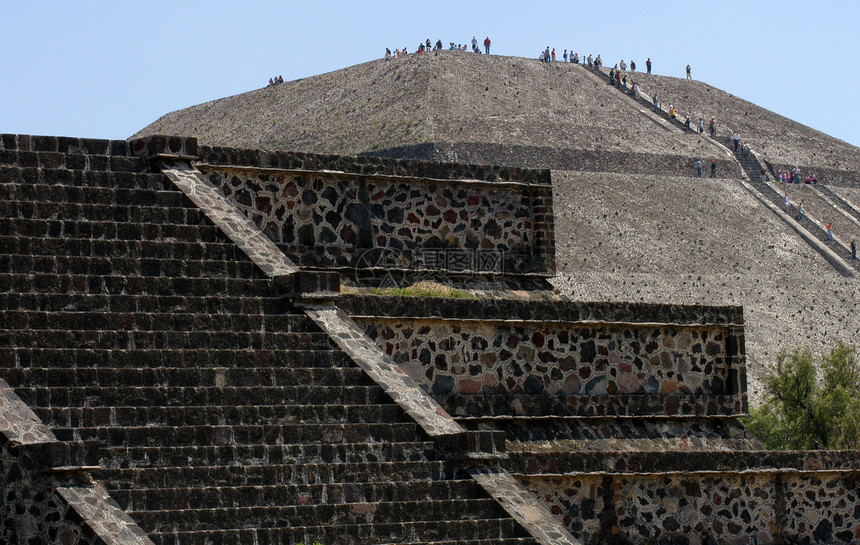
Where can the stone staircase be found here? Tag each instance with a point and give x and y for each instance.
(752, 167)
(225, 414)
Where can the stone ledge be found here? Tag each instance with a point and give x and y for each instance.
(559, 310)
(370, 166)
(163, 146)
(547, 464)
(62, 144)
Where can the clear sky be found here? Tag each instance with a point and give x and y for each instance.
(106, 69)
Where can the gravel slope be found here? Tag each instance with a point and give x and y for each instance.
(665, 240)
(778, 138)
(455, 97)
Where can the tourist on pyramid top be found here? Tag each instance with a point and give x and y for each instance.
(565, 55)
(487, 45)
(451, 47)
(427, 45)
(387, 54)
(420, 48)
(590, 63)
(438, 47)
(688, 72)
(612, 76)
(622, 65)
(598, 62)
(553, 54)
(648, 64)
(474, 43)
(632, 66)
(575, 58)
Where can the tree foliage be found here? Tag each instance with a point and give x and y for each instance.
(803, 410)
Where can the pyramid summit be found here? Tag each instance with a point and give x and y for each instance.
(497, 110)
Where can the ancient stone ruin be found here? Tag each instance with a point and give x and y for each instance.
(179, 365)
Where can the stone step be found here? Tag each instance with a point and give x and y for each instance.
(134, 285)
(84, 178)
(129, 266)
(146, 321)
(111, 229)
(14, 194)
(51, 397)
(72, 161)
(70, 247)
(57, 338)
(147, 303)
(123, 457)
(94, 211)
(246, 474)
(462, 531)
(64, 144)
(75, 417)
(244, 434)
(378, 512)
(311, 494)
(182, 376)
(197, 358)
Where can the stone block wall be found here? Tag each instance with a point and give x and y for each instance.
(499, 225)
(745, 506)
(472, 359)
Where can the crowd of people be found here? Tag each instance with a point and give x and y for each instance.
(275, 81)
(427, 47)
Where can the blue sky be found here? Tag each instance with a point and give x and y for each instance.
(105, 69)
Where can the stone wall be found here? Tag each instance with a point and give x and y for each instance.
(559, 158)
(48, 495)
(745, 506)
(561, 362)
(345, 221)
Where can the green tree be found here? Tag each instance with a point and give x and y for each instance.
(802, 412)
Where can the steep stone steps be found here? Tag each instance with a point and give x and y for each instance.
(143, 303)
(128, 317)
(84, 178)
(82, 417)
(327, 514)
(29, 197)
(110, 228)
(86, 247)
(71, 161)
(154, 321)
(232, 433)
(839, 200)
(122, 266)
(132, 285)
(463, 531)
(195, 358)
(206, 474)
(96, 338)
(57, 396)
(183, 376)
(124, 457)
(264, 495)
(812, 227)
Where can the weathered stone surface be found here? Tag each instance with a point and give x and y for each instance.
(396, 223)
(224, 214)
(523, 506)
